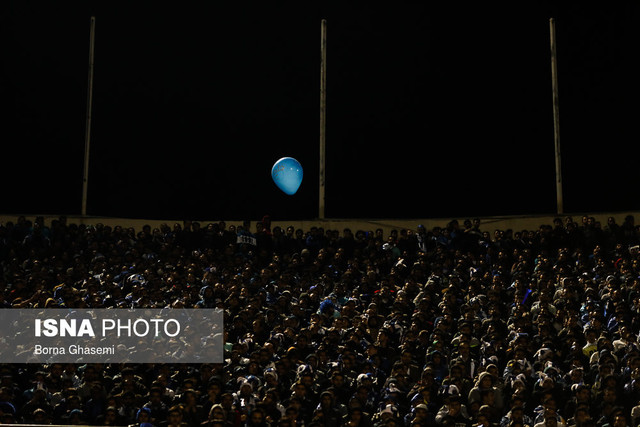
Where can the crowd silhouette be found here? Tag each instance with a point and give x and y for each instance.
(450, 326)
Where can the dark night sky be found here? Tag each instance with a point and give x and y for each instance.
(432, 111)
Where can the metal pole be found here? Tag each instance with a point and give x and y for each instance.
(87, 137)
(556, 116)
(323, 115)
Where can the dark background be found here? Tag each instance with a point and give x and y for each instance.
(432, 111)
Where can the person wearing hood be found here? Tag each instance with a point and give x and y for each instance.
(364, 393)
(272, 382)
(245, 399)
(486, 381)
(207, 298)
(326, 413)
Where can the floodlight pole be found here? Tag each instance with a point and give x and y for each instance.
(556, 116)
(323, 115)
(87, 137)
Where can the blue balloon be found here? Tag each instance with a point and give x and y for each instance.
(287, 174)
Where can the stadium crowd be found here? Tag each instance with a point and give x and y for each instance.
(453, 326)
